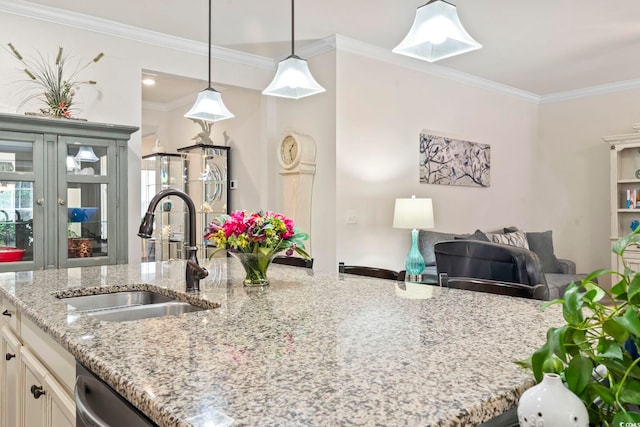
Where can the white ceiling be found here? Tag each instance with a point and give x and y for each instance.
(540, 46)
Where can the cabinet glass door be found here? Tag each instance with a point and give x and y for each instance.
(18, 249)
(87, 224)
(162, 171)
(208, 185)
(85, 194)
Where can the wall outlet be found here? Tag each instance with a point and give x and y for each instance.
(352, 216)
(233, 184)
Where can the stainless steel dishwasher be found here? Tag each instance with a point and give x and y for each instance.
(98, 405)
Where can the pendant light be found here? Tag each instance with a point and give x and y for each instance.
(436, 33)
(86, 154)
(293, 78)
(209, 106)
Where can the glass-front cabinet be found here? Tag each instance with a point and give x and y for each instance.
(207, 183)
(161, 171)
(63, 193)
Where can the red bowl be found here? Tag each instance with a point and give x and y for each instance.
(9, 254)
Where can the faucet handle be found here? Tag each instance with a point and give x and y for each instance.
(199, 272)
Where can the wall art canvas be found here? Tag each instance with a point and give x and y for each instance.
(451, 161)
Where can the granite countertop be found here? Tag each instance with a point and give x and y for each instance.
(312, 349)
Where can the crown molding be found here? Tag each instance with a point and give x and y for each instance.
(117, 29)
(591, 91)
(357, 47)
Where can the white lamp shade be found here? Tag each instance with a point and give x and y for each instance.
(86, 154)
(293, 80)
(436, 33)
(209, 107)
(413, 213)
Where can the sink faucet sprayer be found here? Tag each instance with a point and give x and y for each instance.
(194, 271)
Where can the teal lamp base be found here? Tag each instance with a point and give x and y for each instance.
(414, 264)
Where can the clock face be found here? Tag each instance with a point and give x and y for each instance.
(289, 150)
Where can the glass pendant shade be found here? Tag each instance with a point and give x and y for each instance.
(293, 80)
(209, 107)
(436, 33)
(86, 154)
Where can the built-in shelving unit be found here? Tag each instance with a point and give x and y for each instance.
(625, 191)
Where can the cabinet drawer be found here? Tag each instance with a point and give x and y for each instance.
(10, 315)
(58, 360)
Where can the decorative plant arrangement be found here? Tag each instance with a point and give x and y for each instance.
(596, 352)
(254, 239)
(55, 84)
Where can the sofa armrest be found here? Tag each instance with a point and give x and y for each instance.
(568, 266)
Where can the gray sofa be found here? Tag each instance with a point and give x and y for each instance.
(541, 262)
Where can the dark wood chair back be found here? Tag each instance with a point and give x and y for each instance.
(540, 291)
(380, 273)
(293, 261)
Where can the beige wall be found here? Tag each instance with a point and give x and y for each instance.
(572, 173)
(381, 110)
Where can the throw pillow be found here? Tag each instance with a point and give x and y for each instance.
(516, 238)
(477, 235)
(426, 240)
(542, 245)
(511, 229)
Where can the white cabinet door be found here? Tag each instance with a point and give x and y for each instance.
(43, 402)
(32, 394)
(62, 409)
(9, 354)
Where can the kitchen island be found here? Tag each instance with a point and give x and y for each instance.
(312, 349)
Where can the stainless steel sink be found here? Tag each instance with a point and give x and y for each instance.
(144, 311)
(129, 305)
(115, 300)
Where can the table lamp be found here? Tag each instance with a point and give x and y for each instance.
(413, 213)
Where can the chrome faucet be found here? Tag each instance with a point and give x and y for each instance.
(194, 271)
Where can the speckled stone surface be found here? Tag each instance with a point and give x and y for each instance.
(311, 349)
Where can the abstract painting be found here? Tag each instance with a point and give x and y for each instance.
(451, 161)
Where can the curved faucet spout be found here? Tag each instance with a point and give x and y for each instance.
(194, 272)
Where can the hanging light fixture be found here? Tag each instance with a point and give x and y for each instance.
(436, 33)
(86, 154)
(209, 105)
(293, 78)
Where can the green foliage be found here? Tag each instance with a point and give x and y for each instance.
(595, 352)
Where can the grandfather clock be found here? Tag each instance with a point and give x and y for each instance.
(297, 157)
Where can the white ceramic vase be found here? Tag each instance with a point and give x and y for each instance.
(551, 404)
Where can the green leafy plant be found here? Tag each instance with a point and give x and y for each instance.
(596, 351)
(56, 85)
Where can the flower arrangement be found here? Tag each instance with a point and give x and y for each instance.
(254, 238)
(55, 85)
(261, 232)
